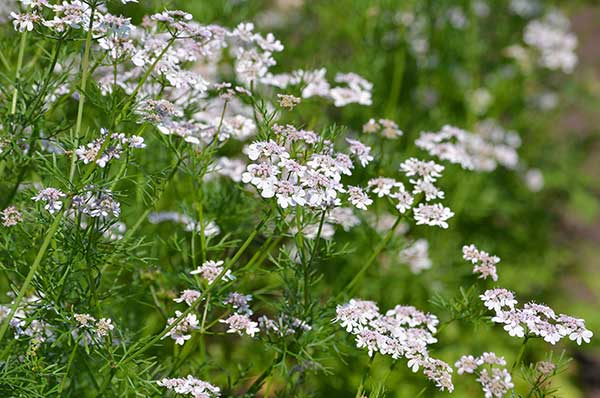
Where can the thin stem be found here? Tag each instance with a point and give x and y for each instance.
(32, 271)
(4, 61)
(536, 385)
(351, 285)
(85, 64)
(361, 386)
(35, 133)
(71, 358)
(142, 81)
(23, 42)
(254, 387)
(312, 257)
(202, 232)
(519, 355)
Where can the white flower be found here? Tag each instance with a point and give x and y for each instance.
(356, 313)
(263, 177)
(241, 324)
(359, 198)
(581, 334)
(383, 186)
(289, 194)
(180, 330)
(210, 270)
(496, 299)
(425, 186)
(496, 384)
(485, 264)
(84, 319)
(104, 326)
(555, 43)
(428, 171)
(534, 179)
(466, 364)
(433, 215)
(239, 302)
(361, 151)
(288, 101)
(189, 296)
(24, 22)
(190, 385)
(53, 198)
(11, 216)
(405, 200)
(483, 151)
(540, 320)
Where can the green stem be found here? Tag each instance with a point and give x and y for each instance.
(351, 285)
(85, 65)
(254, 387)
(519, 355)
(360, 388)
(71, 358)
(106, 382)
(4, 61)
(32, 271)
(23, 42)
(145, 77)
(310, 261)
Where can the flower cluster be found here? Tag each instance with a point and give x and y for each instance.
(210, 96)
(288, 101)
(101, 328)
(283, 325)
(484, 263)
(383, 127)
(52, 197)
(482, 152)
(403, 331)
(11, 216)
(239, 302)
(96, 203)
(191, 386)
(210, 228)
(189, 296)
(556, 45)
(495, 380)
(180, 331)
(422, 176)
(24, 323)
(210, 270)
(241, 324)
(533, 319)
(297, 174)
(354, 89)
(101, 152)
(416, 256)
